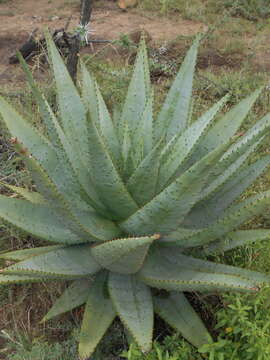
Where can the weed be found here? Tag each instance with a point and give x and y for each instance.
(249, 9)
(244, 325)
(173, 348)
(125, 42)
(23, 349)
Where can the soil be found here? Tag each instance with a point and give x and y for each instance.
(18, 19)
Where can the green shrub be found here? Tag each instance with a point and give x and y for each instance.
(244, 328)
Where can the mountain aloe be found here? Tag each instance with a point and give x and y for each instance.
(122, 203)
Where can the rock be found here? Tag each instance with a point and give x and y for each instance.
(124, 4)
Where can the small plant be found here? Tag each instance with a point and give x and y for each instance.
(129, 202)
(37, 350)
(126, 42)
(244, 325)
(173, 348)
(249, 9)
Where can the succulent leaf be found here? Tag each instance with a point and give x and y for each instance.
(167, 209)
(138, 92)
(24, 254)
(175, 112)
(72, 111)
(100, 115)
(233, 217)
(177, 259)
(226, 126)
(75, 295)
(106, 178)
(36, 219)
(212, 207)
(72, 261)
(235, 239)
(21, 279)
(143, 134)
(44, 108)
(98, 315)
(161, 273)
(142, 183)
(133, 303)
(180, 147)
(177, 312)
(32, 196)
(125, 256)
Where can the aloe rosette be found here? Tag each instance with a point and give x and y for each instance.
(122, 202)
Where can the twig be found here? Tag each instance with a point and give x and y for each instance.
(100, 41)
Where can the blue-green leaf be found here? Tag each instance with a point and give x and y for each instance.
(106, 178)
(125, 256)
(75, 295)
(133, 303)
(175, 112)
(98, 315)
(72, 261)
(36, 219)
(177, 312)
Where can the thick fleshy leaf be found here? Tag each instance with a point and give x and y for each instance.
(34, 143)
(226, 126)
(32, 196)
(175, 112)
(138, 92)
(42, 158)
(53, 130)
(234, 216)
(235, 239)
(74, 176)
(159, 272)
(230, 165)
(36, 219)
(180, 147)
(168, 209)
(55, 200)
(98, 315)
(175, 258)
(106, 178)
(81, 220)
(142, 137)
(237, 153)
(133, 303)
(23, 279)
(128, 162)
(44, 109)
(72, 110)
(178, 313)
(72, 261)
(212, 207)
(73, 135)
(95, 104)
(142, 184)
(125, 256)
(24, 254)
(75, 295)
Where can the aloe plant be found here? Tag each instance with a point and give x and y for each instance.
(125, 201)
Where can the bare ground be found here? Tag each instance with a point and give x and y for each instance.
(19, 18)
